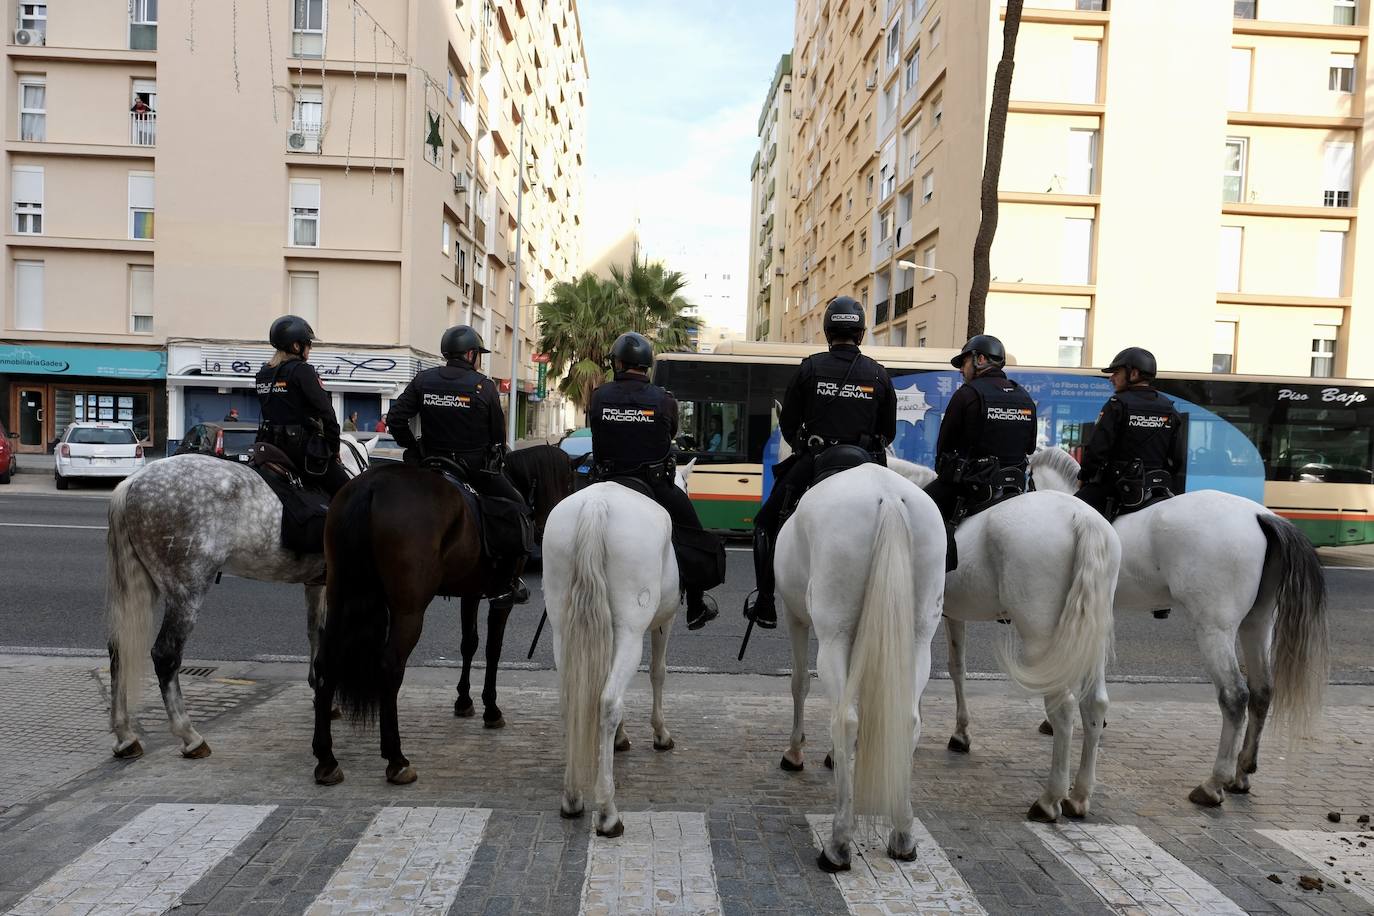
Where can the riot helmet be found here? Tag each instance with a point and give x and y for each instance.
(985, 344)
(289, 330)
(460, 339)
(1136, 358)
(632, 351)
(844, 317)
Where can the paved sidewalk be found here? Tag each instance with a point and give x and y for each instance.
(713, 826)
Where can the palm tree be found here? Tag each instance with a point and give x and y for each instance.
(652, 297)
(577, 326)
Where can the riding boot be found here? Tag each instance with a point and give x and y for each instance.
(515, 591)
(762, 611)
(951, 548)
(701, 609)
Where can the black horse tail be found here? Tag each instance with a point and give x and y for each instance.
(355, 631)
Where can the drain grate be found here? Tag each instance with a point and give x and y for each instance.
(197, 672)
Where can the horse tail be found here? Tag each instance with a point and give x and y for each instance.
(1301, 638)
(357, 620)
(882, 674)
(1082, 639)
(130, 599)
(587, 645)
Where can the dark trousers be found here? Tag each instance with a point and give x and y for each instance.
(790, 480)
(684, 515)
(489, 484)
(1099, 495)
(945, 495)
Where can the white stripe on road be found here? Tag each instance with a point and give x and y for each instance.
(411, 858)
(36, 525)
(147, 864)
(1338, 856)
(878, 884)
(662, 864)
(1131, 872)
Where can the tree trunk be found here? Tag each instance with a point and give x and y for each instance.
(992, 169)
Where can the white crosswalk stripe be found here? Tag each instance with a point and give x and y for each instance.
(408, 860)
(877, 884)
(1345, 859)
(1131, 872)
(146, 865)
(662, 864)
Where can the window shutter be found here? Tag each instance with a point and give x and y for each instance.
(1337, 167)
(140, 191)
(305, 195)
(28, 295)
(1330, 263)
(28, 184)
(1228, 260)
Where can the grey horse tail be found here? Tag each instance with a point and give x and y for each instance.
(355, 631)
(1301, 639)
(130, 596)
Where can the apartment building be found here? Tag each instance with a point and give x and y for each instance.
(182, 174)
(1178, 175)
(768, 176)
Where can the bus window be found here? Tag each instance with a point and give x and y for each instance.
(711, 429)
(1320, 446)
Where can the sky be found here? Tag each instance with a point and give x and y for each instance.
(676, 88)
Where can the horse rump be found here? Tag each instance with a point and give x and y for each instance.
(356, 624)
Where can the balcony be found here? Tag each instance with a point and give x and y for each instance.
(143, 128)
(903, 302)
(479, 229)
(880, 312)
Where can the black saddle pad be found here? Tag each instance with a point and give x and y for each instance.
(506, 525)
(633, 483)
(303, 512)
(839, 458)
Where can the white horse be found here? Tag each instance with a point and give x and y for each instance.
(1049, 564)
(861, 561)
(175, 525)
(610, 574)
(1233, 567)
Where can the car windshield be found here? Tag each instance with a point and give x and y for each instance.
(101, 436)
(239, 440)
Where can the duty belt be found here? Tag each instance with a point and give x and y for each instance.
(656, 470)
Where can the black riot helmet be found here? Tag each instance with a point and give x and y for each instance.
(985, 344)
(289, 330)
(632, 351)
(459, 339)
(1134, 358)
(844, 317)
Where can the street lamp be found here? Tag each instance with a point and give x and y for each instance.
(912, 265)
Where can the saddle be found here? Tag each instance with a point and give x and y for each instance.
(1137, 489)
(985, 482)
(839, 458)
(303, 508)
(506, 526)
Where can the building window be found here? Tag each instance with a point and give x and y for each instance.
(141, 190)
(27, 182)
(1336, 174)
(868, 184)
(1244, 9)
(1238, 86)
(928, 262)
(1098, 6)
(307, 120)
(305, 213)
(1330, 263)
(927, 187)
(1073, 325)
(888, 181)
(303, 294)
(28, 295)
(140, 299)
(884, 225)
(1233, 170)
(935, 33)
(897, 335)
(1343, 11)
(143, 114)
(1324, 351)
(307, 28)
(894, 42)
(143, 25)
(1341, 74)
(1082, 161)
(33, 110)
(921, 335)
(1078, 243)
(1224, 346)
(938, 109)
(1083, 76)
(445, 237)
(33, 17)
(863, 241)
(913, 68)
(1228, 259)
(452, 84)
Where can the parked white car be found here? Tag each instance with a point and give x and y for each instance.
(96, 450)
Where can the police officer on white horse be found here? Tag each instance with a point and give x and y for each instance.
(1138, 451)
(297, 413)
(463, 424)
(838, 397)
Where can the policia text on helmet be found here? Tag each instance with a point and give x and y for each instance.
(844, 321)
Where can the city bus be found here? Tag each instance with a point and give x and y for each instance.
(1301, 446)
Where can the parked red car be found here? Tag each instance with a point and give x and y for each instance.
(9, 464)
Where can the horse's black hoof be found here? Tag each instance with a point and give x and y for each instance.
(1040, 815)
(613, 832)
(401, 775)
(1205, 797)
(1047, 729)
(464, 712)
(902, 856)
(959, 745)
(330, 775)
(199, 752)
(132, 752)
(499, 722)
(829, 762)
(790, 767)
(569, 815)
(622, 746)
(1073, 809)
(664, 745)
(829, 867)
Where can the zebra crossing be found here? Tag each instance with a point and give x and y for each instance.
(416, 860)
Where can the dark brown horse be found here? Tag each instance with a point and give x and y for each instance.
(395, 538)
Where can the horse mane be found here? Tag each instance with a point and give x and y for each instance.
(918, 474)
(541, 462)
(1056, 461)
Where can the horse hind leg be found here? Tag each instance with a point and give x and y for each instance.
(1219, 657)
(623, 664)
(1059, 711)
(167, 656)
(405, 633)
(496, 637)
(792, 761)
(658, 674)
(955, 631)
(314, 629)
(1255, 638)
(122, 720)
(462, 707)
(1092, 707)
(832, 662)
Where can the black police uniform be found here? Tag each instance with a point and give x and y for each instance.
(462, 420)
(988, 417)
(298, 418)
(1136, 424)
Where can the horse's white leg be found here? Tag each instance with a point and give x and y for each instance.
(177, 623)
(623, 664)
(832, 662)
(314, 625)
(955, 631)
(1092, 707)
(658, 672)
(901, 844)
(800, 634)
(1219, 657)
(1256, 637)
(1059, 711)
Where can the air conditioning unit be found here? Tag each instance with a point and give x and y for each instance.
(28, 37)
(871, 83)
(302, 141)
(460, 183)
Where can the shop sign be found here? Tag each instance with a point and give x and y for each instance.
(331, 365)
(543, 377)
(89, 362)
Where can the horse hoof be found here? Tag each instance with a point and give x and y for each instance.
(328, 776)
(908, 856)
(622, 746)
(1205, 797)
(829, 761)
(199, 752)
(1040, 815)
(959, 745)
(828, 866)
(664, 745)
(402, 776)
(1074, 809)
(612, 832)
(464, 712)
(569, 815)
(131, 751)
(1239, 787)
(336, 713)
(499, 722)
(1047, 729)
(789, 767)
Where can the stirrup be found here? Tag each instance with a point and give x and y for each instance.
(752, 613)
(709, 611)
(518, 593)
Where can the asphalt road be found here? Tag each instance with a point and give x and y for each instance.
(52, 590)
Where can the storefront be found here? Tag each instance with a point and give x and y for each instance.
(44, 389)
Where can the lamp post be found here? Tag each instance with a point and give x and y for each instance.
(912, 265)
(513, 408)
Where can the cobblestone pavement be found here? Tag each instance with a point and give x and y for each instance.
(711, 827)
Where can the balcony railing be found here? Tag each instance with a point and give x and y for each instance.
(902, 304)
(880, 312)
(143, 128)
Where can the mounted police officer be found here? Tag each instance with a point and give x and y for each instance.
(837, 398)
(1138, 451)
(463, 423)
(633, 423)
(297, 414)
(986, 436)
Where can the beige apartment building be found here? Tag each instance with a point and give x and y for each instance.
(1180, 175)
(181, 174)
(768, 177)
